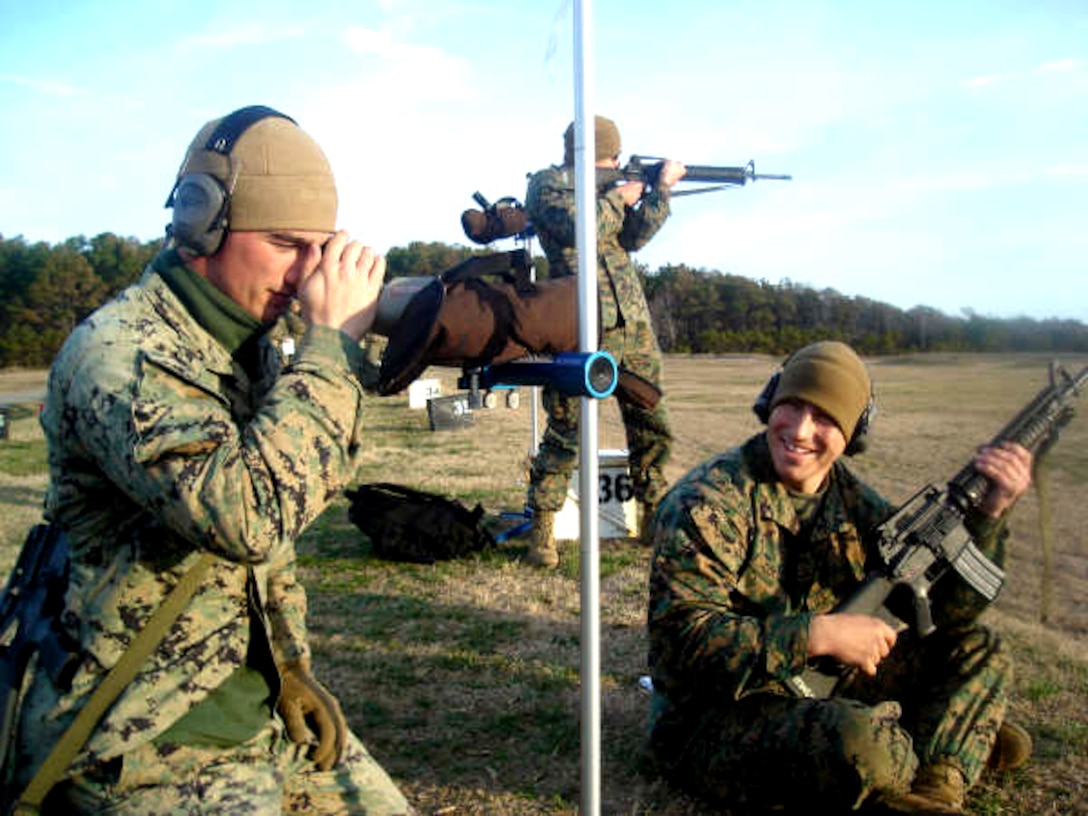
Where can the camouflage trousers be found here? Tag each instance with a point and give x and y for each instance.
(648, 432)
(269, 774)
(941, 697)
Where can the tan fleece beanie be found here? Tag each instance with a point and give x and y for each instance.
(276, 175)
(606, 137)
(831, 376)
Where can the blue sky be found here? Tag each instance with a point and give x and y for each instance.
(939, 150)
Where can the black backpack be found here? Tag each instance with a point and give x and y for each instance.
(404, 524)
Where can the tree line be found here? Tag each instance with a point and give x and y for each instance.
(46, 289)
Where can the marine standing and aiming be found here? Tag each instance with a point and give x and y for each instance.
(628, 216)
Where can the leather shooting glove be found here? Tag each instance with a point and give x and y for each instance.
(309, 711)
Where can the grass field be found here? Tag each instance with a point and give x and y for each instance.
(463, 677)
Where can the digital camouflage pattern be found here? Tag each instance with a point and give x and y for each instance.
(177, 780)
(160, 448)
(625, 330)
(733, 586)
(621, 230)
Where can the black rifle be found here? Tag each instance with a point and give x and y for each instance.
(926, 537)
(30, 610)
(647, 169)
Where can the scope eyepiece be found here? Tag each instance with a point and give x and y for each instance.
(601, 375)
(572, 373)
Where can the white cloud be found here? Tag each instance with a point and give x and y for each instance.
(977, 180)
(248, 33)
(47, 86)
(1061, 65)
(405, 76)
(987, 80)
(76, 93)
(370, 42)
(1063, 170)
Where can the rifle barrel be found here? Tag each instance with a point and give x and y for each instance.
(728, 175)
(647, 167)
(1040, 419)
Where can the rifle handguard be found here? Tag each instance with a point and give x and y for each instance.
(647, 169)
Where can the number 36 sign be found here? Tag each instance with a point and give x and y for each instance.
(617, 509)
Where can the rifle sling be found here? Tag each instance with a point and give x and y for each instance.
(145, 642)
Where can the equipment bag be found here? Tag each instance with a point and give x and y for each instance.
(404, 524)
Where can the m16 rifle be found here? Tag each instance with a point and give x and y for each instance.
(647, 169)
(30, 610)
(926, 538)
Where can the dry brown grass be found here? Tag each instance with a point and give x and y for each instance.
(463, 677)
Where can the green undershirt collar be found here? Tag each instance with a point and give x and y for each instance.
(231, 325)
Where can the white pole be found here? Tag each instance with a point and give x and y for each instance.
(534, 391)
(585, 193)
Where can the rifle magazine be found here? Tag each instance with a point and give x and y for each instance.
(980, 572)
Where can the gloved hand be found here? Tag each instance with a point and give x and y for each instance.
(304, 704)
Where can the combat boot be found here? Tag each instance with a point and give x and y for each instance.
(938, 789)
(645, 521)
(1012, 749)
(542, 549)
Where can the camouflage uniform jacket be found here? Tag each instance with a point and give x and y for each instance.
(732, 587)
(550, 205)
(160, 448)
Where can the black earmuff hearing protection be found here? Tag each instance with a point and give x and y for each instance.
(762, 406)
(200, 201)
(857, 443)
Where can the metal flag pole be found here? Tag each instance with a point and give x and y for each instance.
(534, 391)
(585, 193)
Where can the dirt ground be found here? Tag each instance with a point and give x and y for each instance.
(464, 677)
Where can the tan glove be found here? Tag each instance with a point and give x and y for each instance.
(305, 704)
